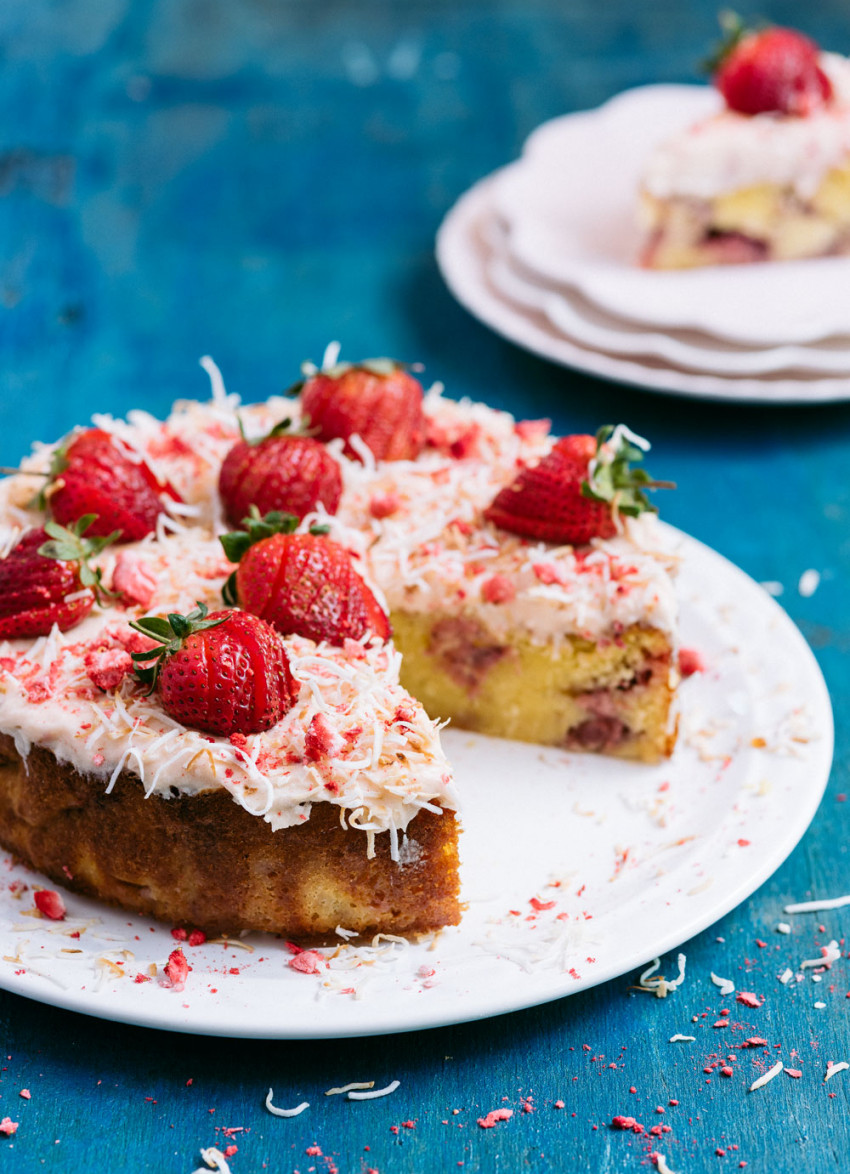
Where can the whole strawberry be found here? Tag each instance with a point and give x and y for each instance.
(377, 399)
(574, 494)
(283, 471)
(93, 476)
(302, 583)
(225, 673)
(772, 71)
(45, 580)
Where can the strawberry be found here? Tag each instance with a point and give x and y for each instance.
(302, 583)
(575, 493)
(377, 399)
(50, 904)
(92, 475)
(39, 574)
(226, 673)
(773, 70)
(282, 471)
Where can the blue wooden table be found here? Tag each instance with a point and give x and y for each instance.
(251, 180)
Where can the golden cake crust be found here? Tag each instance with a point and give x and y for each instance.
(203, 861)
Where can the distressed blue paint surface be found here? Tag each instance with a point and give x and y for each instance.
(251, 179)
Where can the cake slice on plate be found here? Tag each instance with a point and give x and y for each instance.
(768, 176)
(529, 590)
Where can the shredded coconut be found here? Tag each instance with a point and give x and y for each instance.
(767, 1077)
(374, 1093)
(818, 906)
(659, 985)
(276, 1112)
(332, 1092)
(726, 985)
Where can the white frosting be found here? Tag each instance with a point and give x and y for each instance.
(432, 552)
(730, 151)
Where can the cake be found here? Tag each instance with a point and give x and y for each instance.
(337, 809)
(767, 177)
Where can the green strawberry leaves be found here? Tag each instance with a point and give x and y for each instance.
(68, 544)
(169, 633)
(611, 477)
(256, 529)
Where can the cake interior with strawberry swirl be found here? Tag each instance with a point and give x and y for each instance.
(767, 177)
(229, 640)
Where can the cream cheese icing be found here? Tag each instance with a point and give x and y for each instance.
(729, 151)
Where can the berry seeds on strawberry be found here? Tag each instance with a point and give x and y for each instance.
(91, 475)
(282, 471)
(300, 583)
(576, 492)
(377, 399)
(769, 71)
(46, 579)
(224, 673)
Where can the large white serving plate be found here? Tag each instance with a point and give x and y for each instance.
(465, 254)
(570, 207)
(636, 859)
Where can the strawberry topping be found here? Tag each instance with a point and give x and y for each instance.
(224, 673)
(46, 580)
(575, 493)
(93, 476)
(376, 399)
(772, 71)
(283, 471)
(302, 583)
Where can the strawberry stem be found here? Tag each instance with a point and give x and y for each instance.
(169, 633)
(611, 477)
(67, 544)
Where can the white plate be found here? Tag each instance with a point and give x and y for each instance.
(576, 318)
(570, 204)
(463, 255)
(635, 859)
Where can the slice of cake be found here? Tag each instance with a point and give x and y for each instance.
(520, 627)
(768, 176)
(281, 784)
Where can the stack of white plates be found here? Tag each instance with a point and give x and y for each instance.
(545, 252)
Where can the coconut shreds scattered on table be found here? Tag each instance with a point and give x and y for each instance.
(828, 955)
(659, 985)
(834, 1069)
(684, 1039)
(768, 1076)
(215, 1160)
(374, 1093)
(276, 1112)
(355, 1084)
(661, 1164)
(726, 984)
(809, 583)
(818, 906)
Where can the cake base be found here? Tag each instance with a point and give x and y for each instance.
(203, 861)
(613, 697)
(765, 222)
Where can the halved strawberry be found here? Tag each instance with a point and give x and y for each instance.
(224, 673)
(772, 70)
(91, 475)
(282, 471)
(574, 494)
(46, 579)
(302, 583)
(376, 399)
